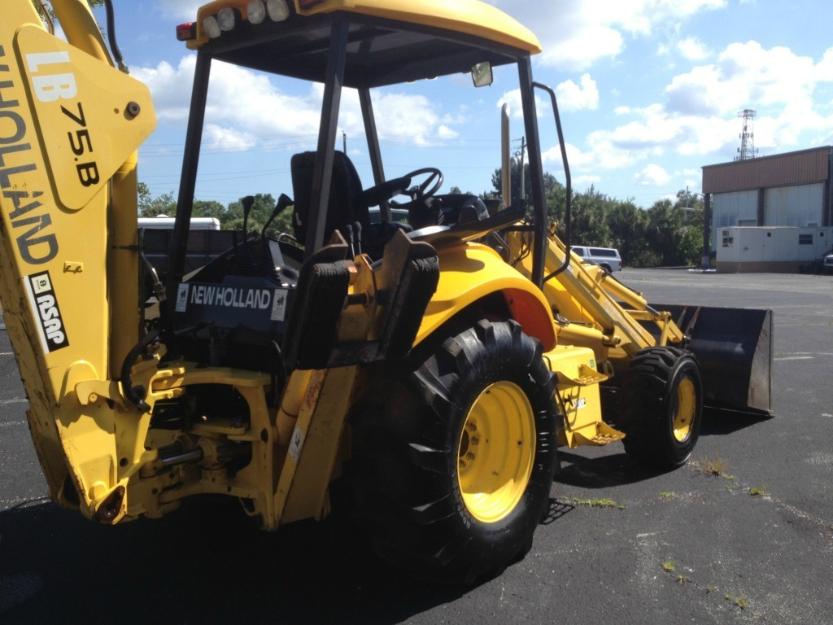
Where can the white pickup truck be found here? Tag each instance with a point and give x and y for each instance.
(606, 257)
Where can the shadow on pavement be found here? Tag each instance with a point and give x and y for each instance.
(556, 510)
(720, 422)
(204, 564)
(601, 472)
(617, 469)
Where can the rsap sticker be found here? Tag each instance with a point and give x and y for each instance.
(45, 304)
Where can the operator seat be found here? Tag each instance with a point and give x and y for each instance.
(346, 205)
(349, 203)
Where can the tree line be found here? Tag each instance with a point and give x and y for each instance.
(230, 215)
(669, 233)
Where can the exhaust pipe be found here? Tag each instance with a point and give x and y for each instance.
(505, 157)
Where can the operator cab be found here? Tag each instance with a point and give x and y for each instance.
(250, 294)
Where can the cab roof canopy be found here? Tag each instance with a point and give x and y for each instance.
(389, 41)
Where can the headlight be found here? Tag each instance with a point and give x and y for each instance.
(278, 10)
(227, 19)
(256, 11)
(210, 27)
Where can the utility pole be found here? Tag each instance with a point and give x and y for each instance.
(344, 139)
(521, 156)
(707, 235)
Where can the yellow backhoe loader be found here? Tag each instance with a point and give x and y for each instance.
(433, 368)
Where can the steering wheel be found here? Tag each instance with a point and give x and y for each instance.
(420, 192)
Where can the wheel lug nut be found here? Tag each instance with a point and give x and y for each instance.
(469, 456)
(475, 440)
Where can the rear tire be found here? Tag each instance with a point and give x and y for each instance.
(454, 455)
(663, 405)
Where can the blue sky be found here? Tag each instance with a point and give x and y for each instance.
(649, 91)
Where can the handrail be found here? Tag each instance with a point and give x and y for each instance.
(568, 209)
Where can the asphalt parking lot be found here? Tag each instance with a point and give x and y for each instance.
(753, 544)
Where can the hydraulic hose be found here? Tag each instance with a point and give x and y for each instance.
(136, 395)
(111, 36)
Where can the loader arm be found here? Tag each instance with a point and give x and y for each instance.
(70, 124)
(733, 346)
(589, 297)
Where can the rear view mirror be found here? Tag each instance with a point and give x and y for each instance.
(481, 75)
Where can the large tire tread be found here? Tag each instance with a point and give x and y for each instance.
(404, 455)
(650, 383)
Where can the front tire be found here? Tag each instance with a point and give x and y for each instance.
(454, 456)
(663, 406)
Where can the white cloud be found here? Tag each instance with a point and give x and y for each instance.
(445, 133)
(577, 33)
(747, 74)
(652, 175)
(696, 92)
(691, 177)
(776, 82)
(516, 108)
(578, 97)
(400, 117)
(586, 181)
(700, 118)
(693, 49)
(601, 155)
(656, 130)
(227, 139)
(268, 113)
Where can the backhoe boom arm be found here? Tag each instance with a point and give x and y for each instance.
(68, 204)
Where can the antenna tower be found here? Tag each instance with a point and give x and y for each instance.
(747, 149)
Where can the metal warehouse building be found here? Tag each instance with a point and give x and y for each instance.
(750, 203)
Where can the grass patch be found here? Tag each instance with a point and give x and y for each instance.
(683, 579)
(738, 600)
(669, 566)
(596, 503)
(716, 467)
(757, 491)
(668, 495)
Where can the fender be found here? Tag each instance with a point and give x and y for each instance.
(470, 272)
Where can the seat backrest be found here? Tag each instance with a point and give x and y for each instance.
(345, 205)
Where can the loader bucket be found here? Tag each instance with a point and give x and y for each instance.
(734, 349)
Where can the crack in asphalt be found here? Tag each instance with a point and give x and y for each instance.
(803, 515)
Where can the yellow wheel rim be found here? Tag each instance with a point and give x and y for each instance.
(686, 410)
(496, 452)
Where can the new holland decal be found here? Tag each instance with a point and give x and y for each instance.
(222, 296)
